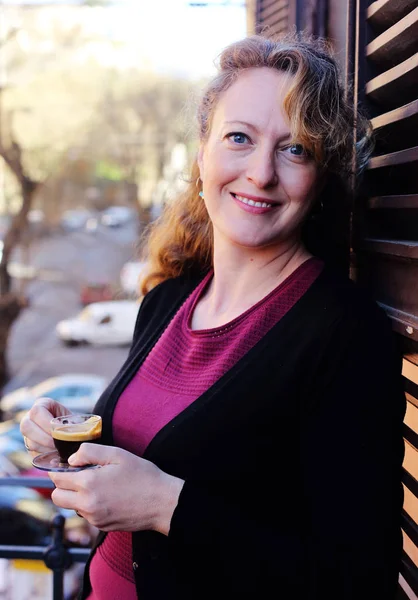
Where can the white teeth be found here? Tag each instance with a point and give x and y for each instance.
(252, 203)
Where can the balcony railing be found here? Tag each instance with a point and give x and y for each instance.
(57, 556)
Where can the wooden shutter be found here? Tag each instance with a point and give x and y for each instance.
(272, 16)
(385, 214)
(276, 17)
(382, 60)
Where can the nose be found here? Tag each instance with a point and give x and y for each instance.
(262, 168)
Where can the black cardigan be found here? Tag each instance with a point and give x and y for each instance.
(291, 461)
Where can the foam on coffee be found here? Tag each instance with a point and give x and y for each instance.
(80, 432)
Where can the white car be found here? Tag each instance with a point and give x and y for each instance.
(77, 391)
(101, 323)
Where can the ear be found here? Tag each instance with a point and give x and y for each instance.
(200, 161)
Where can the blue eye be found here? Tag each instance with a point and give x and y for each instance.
(238, 138)
(297, 150)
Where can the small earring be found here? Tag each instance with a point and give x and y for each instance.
(198, 182)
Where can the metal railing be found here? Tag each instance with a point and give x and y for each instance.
(56, 556)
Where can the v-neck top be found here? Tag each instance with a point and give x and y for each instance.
(182, 365)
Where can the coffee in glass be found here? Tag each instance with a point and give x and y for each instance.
(70, 431)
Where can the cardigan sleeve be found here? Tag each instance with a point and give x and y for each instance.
(350, 451)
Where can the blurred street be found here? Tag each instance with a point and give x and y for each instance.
(66, 262)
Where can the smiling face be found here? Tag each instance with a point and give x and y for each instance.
(258, 185)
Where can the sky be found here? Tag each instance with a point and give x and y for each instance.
(170, 35)
(178, 37)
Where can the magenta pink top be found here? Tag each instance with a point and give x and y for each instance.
(181, 366)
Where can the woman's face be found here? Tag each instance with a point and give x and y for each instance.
(258, 187)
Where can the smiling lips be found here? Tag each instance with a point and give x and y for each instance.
(251, 202)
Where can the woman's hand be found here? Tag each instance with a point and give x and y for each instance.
(124, 493)
(36, 425)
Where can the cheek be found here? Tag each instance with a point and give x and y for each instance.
(220, 166)
(300, 185)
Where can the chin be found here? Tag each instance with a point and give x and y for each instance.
(253, 243)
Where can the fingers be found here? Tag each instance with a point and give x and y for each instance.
(36, 427)
(64, 498)
(54, 408)
(65, 481)
(74, 490)
(95, 454)
(74, 480)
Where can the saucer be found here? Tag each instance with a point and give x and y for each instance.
(50, 461)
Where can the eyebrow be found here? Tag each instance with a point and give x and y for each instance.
(254, 128)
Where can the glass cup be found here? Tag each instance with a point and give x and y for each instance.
(68, 433)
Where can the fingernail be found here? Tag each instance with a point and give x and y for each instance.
(71, 459)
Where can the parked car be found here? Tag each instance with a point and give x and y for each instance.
(75, 219)
(116, 216)
(129, 276)
(101, 323)
(77, 391)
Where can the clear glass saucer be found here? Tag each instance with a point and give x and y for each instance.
(50, 461)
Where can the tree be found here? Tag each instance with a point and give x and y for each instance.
(18, 66)
(140, 119)
(12, 156)
(63, 105)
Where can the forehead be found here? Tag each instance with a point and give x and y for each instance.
(256, 97)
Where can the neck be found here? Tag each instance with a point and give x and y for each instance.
(242, 277)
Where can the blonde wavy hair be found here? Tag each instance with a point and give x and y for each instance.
(321, 119)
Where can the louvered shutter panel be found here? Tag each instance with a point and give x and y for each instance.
(385, 217)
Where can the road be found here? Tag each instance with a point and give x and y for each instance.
(66, 261)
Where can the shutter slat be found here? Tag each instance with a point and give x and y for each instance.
(409, 571)
(412, 437)
(275, 13)
(401, 248)
(397, 115)
(410, 482)
(397, 43)
(396, 86)
(410, 527)
(393, 202)
(402, 322)
(264, 4)
(396, 129)
(411, 390)
(402, 157)
(267, 11)
(277, 26)
(402, 594)
(381, 14)
(412, 400)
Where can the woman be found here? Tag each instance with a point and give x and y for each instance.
(252, 441)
